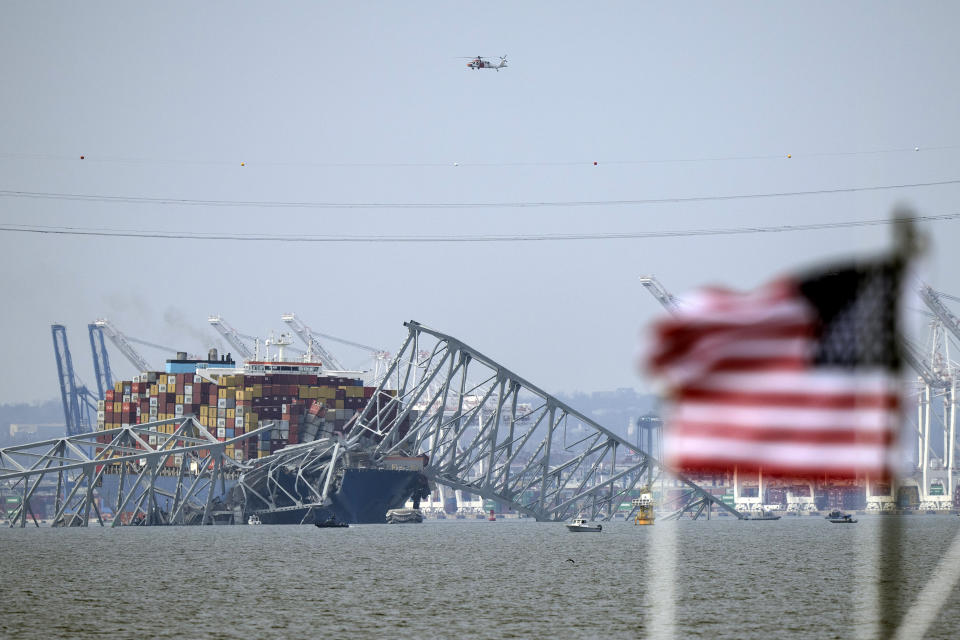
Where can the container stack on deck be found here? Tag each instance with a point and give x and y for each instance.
(303, 407)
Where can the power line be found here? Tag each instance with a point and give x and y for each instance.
(275, 204)
(450, 163)
(546, 237)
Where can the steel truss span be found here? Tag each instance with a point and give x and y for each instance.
(489, 432)
(156, 473)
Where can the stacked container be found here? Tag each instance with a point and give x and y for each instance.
(303, 407)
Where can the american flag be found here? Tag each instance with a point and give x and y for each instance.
(799, 377)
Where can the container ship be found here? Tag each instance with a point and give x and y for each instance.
(309, 408)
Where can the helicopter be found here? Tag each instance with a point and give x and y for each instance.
(480, 62)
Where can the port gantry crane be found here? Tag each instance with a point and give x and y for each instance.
(233, 337)
(78, 401)
(940, 371)
(309, 337)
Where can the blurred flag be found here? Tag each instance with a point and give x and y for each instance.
(800, 377)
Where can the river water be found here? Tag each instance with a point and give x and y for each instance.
(795, 577)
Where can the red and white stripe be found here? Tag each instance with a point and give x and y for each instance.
(745, 392)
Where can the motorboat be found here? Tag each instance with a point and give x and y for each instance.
(580, 525)
(254, 519)
(839, 517)
(330, 523)
(406, 516)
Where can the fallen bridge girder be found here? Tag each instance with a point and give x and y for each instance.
(475, 435)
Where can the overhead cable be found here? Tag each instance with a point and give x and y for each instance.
(545, 237)
(275, 204)
(95, 158)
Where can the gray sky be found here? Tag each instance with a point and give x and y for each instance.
(167, 101)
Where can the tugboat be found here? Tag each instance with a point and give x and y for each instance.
(330, 523)
(644, 507)
(254, 519)
(580, 525)
(839, 517)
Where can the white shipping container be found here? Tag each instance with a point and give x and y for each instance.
(171, 381)
(197, 379)
(239, 411)
(101, 415)
(161, 388)
(178, 410)
(221, 423)
(153, 402)
(221, 432)
(100, 404)
(222, 403)
(187, 389)
(187, 399)
(283, 408)
(238, 422)
(153, 412)
(152, 440)
(126, 397)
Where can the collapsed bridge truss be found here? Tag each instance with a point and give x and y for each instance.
(489, 432)
(163, 472)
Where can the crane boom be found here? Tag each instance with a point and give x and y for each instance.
(232, 336)
(120, 340)
(311, 341)
(931, 298)
(912, 356)
(658, 291)
(101, 360)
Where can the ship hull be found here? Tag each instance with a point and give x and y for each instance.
(364, 497)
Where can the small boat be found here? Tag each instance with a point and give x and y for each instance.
(764, 515)
(581, 525)
(839, 517)
(404, 516)
(330, 523)
(254, 519)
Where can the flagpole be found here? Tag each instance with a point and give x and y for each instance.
(890, 605)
